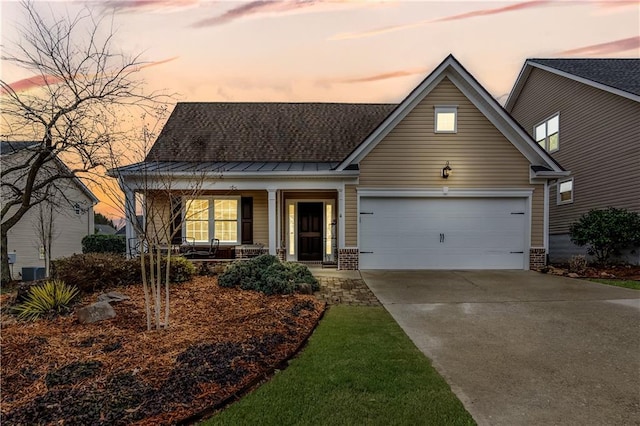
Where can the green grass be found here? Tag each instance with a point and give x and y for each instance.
(619, 283)
(358, 368)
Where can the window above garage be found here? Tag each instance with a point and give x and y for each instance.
(446, 119)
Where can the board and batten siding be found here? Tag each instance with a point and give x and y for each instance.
(412, 155)
(599, 143)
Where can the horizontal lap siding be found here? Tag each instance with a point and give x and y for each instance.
(351, 213)
(412, 155)
(599, 143)
(162, 213)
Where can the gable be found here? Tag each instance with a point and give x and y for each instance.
(413, 155)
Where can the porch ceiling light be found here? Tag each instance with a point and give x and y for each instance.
(446, 171)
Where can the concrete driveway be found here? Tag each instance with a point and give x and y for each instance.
(520, 347)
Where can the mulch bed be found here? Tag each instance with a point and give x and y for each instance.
(220, 342)
(623, 272)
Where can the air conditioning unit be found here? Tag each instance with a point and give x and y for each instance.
(33, 273)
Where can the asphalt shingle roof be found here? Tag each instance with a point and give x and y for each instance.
(9, 147)
(265, 132)
(622, 74)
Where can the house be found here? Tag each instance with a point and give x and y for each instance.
(105, 229)
(66, 218)
(585, 114)
(445, 179)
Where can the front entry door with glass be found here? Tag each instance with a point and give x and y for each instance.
(310, 226)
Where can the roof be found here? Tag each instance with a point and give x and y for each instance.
(105, 229)
(452, 69)
(265, 132)
(617, 76)
(9, 147)
(219, 167)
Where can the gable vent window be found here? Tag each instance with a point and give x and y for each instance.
(547, 133)
(565, 192)
(446, 119)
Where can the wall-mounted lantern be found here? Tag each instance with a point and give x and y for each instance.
(446, 171)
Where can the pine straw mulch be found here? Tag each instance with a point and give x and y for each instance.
(220, 343)
(621, 272)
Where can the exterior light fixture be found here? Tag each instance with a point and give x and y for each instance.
(446, 171)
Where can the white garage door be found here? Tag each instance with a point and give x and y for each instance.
(442, 233)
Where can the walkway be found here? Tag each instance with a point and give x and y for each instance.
(343, 287)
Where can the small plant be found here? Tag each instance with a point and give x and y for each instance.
(606, 232)
(578, 264)
(52, 297)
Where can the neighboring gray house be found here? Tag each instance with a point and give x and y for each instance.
(71, 213)
(586, 114)
(105, 229)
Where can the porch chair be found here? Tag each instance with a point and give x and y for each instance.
(203, 254)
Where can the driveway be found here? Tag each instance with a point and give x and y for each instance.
(519, 347)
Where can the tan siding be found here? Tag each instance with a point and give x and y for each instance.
(160, 205)
(599, 143)
(412, 155)
(351, 213)
(537, 217)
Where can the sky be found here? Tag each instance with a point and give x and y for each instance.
(344, 50)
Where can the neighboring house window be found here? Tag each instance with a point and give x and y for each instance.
(565, 191)
(446, 118)
(208, 218)
(77, 209)
(547, 133)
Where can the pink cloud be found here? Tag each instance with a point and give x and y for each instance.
(253, 8)
(141, 5)
(30, 83)
(467, 15)
(375, 77)
(51, 80)
(616, 46)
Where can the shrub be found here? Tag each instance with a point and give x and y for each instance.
(578, 264)
(181, 268)
(266, 274)
(99, 243)
(96, 271)
(606, 232)
(52, 297)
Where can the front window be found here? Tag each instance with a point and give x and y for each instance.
(565, 191)
(209, 217)
(446, 119)
(547, 133)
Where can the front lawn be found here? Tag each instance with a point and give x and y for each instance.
(220, 340)
(635, 285)
(358, 368)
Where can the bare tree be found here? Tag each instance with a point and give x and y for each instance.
(156, 192)
(80, 85)
(45, 227)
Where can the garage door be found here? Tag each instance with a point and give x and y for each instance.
(443, 233)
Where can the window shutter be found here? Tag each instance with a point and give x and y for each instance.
(247, 220)
(176, 220)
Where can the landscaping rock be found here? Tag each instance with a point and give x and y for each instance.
(573, 275)
(304, 288)
(99, 311)
(112, 297)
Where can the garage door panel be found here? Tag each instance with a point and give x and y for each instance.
(428, 233)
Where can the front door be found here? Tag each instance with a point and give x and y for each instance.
(310, 231)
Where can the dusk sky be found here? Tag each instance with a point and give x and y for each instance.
(347, 51)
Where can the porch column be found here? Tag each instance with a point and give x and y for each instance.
(272, 221)
(341, 219)
(130, 217)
